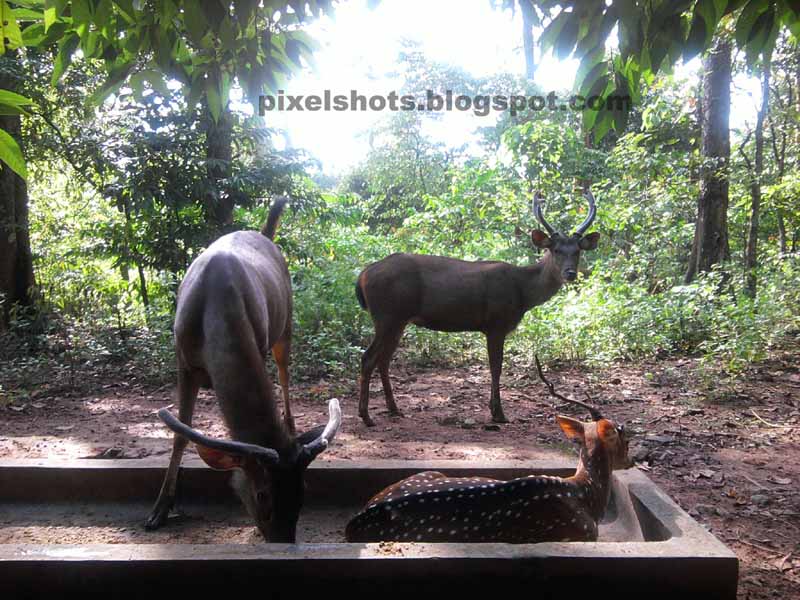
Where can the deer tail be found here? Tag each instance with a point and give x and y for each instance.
(274, 216)
(360, 295)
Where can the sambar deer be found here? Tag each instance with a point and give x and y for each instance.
(431, 507)
(447, 294)
(234, 306)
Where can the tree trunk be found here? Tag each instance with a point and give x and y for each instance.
(528, 20)
(751, 250)
(710, 245)
(219, 148)
(781, 232)
(16, 261)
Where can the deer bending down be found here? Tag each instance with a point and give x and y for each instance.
(234, 306)
(431, 507)
(446, 294)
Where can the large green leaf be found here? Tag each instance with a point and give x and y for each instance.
(12, 103)
(213, 97)
(65, 49)
(567, 38)
(10, 34)
(115, 79)
(195, 20)
(11, 154)
(747, 19)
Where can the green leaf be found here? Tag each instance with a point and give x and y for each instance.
(552, 31)
(293, 51)
(33, 35)
(65, 49)
(227, 34)
(26, 14)
(10, 33)
(603, 125)
(195, 21)
(12, 103)
(762, 38)
(589, 72)
(81, 11)
(128, 13)
(567, 38)
(103, 16)
(747, 19)
(156, 81)
(215, 11)
(11, 154)
(213, 97)
(115, 79)
(245, 9)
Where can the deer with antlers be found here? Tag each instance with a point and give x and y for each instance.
(234, 307)
(446, 294)
(431, 507)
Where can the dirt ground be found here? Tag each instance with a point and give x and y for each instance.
(726, 449)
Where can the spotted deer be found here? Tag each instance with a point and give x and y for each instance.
(234, 306)
(446, 294)
(431, 507)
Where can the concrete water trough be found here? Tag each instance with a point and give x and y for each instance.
(76, 527)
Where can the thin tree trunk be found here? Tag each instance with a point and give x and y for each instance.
(781, 232)
(528, 20)
(143, 285)
(710, 245)
(219, 148)
(751, 251)
(17, 282)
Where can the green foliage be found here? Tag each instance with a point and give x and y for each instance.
(204, 45)
(122, 196)
(653, 36)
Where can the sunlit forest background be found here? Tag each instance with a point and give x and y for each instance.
(133, 167)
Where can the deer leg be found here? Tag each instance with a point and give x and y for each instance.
(495, 346)
(391, 341)
(280, 352)
(187, 394)
(368, 362)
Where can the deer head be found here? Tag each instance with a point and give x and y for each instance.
(269, 481)
(565, 251)
(599, 436)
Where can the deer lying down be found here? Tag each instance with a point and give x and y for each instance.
(446, 294)
(234, 306)
(431, 507)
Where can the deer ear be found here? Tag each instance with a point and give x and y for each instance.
(219, 460)
(572, 428)
(540, 239)
(589, 242)
(607, 431)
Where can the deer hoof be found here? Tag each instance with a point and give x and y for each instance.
(368, 420)
(156, 520)
(499, 418)
(159, 516)
(396, 413)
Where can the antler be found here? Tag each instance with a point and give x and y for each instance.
(309, 451)
(312, 449)
(596, 416)
(537, 210)
(592, 212)
(195, 436)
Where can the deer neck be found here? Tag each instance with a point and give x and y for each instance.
(593, 475)
(542, 281)
(255, 420)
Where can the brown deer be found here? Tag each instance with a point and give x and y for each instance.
(446, 294)
(234, 306)
(431, 507)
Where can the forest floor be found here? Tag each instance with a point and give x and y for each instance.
(727, 450)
